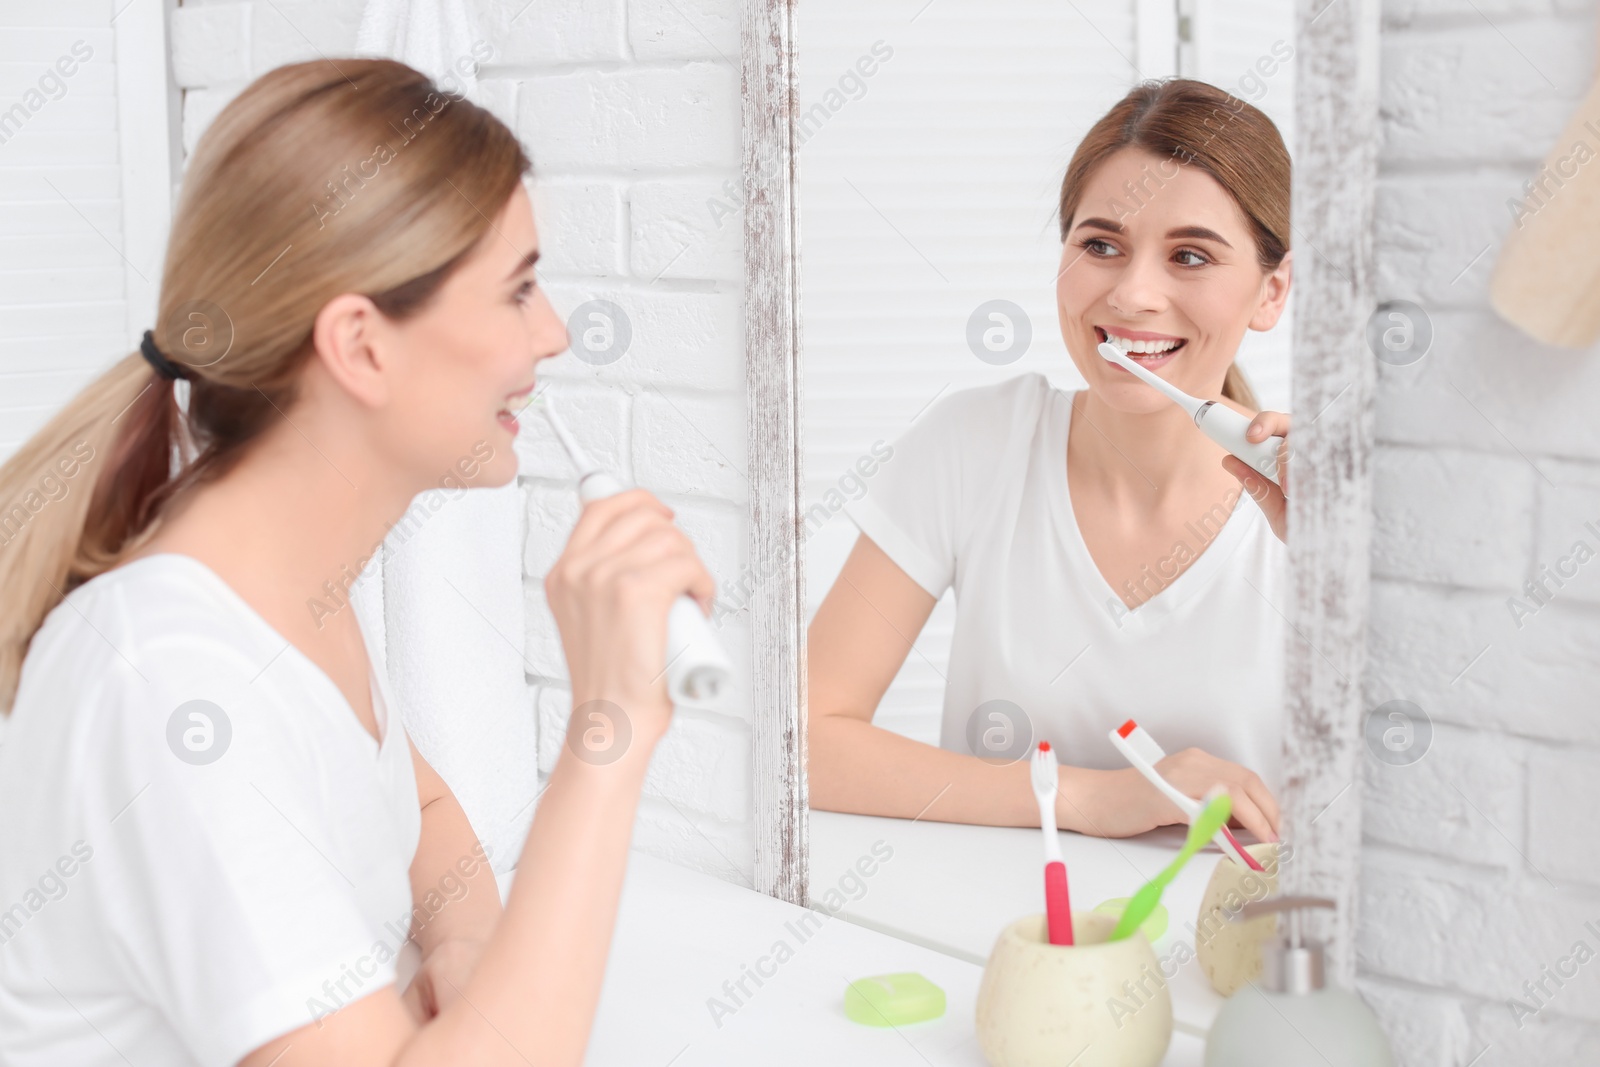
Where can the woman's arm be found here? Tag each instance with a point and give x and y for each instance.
(531, 998)
(456, 901)
(856, 643)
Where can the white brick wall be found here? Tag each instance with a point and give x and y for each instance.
(630, 112)
(1480, 865)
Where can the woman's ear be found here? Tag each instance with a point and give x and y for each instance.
(350, 336)
(1274, 294)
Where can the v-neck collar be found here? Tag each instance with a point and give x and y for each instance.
(1172, 595)
(380, 705)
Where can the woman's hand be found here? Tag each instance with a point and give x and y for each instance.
(440, 977)
(1193, 771)
(1273, 501)
(1123, 803)
(610, 591)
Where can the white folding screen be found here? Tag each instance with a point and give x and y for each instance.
(1240, 45)
(927, 188)
(85, 188)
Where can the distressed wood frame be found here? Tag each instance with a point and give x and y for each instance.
(1334, 376)
(772, 376)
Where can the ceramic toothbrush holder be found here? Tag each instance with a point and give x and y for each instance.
(1229, 952)
(1091, 1004)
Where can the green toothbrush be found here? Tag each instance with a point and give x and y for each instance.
(1203, 829)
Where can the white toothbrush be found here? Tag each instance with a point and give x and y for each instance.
(698, 669)
(1217, 421)
(1141, 750)
(1057, 905)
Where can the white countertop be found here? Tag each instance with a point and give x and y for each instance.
(954, 887)
(682, 934)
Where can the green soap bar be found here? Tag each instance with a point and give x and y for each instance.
(1153, 927)
(893, 1000)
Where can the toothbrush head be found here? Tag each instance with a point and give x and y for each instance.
(533, 398)
(1112, 353)
(1043, 772)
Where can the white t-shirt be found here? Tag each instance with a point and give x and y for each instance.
(975, 497)
(156, 908)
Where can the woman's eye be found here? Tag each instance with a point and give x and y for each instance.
(1100, 248)
(524, 291)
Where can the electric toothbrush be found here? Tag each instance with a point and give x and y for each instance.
(698, 669)
(1217, 421)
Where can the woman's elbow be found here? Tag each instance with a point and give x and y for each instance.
(827, 761)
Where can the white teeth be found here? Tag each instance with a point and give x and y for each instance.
(1144, 347)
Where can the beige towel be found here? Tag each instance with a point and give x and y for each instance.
(1547, 280)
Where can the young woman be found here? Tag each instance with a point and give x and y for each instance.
(1103, 566)
(214, 834)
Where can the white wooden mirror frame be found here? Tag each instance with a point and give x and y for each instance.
(1332, 396)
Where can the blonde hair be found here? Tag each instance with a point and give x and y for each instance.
(1233, 141)
(320, 178)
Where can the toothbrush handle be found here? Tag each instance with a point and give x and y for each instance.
(597, 485)
(1224, 837)
(1145, 765)
(1230, 845)
(698, 668)
(1191, 807)
(1185, 803)
(1226, 427)
(1057, 905)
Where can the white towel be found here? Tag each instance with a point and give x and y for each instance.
(433, 36)
(453, 614)
(451, 604)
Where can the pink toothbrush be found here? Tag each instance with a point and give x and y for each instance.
(1141, 750)
(1057, 905)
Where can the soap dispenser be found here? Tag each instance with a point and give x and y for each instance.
(1293, 1017)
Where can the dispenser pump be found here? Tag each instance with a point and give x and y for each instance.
(1295, 967)
(1294, 1017)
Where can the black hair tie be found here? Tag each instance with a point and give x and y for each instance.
(163, 366)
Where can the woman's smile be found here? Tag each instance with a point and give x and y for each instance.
(1149, 349)
(514, 403)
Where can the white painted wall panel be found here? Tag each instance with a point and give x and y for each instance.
(62, 271)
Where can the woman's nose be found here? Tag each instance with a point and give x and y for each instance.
(1140, 286)
(549, 336)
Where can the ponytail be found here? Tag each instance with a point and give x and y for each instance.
(1236, 387)
(77, 496)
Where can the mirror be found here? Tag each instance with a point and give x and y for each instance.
(932, 162)
(1006, 539)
